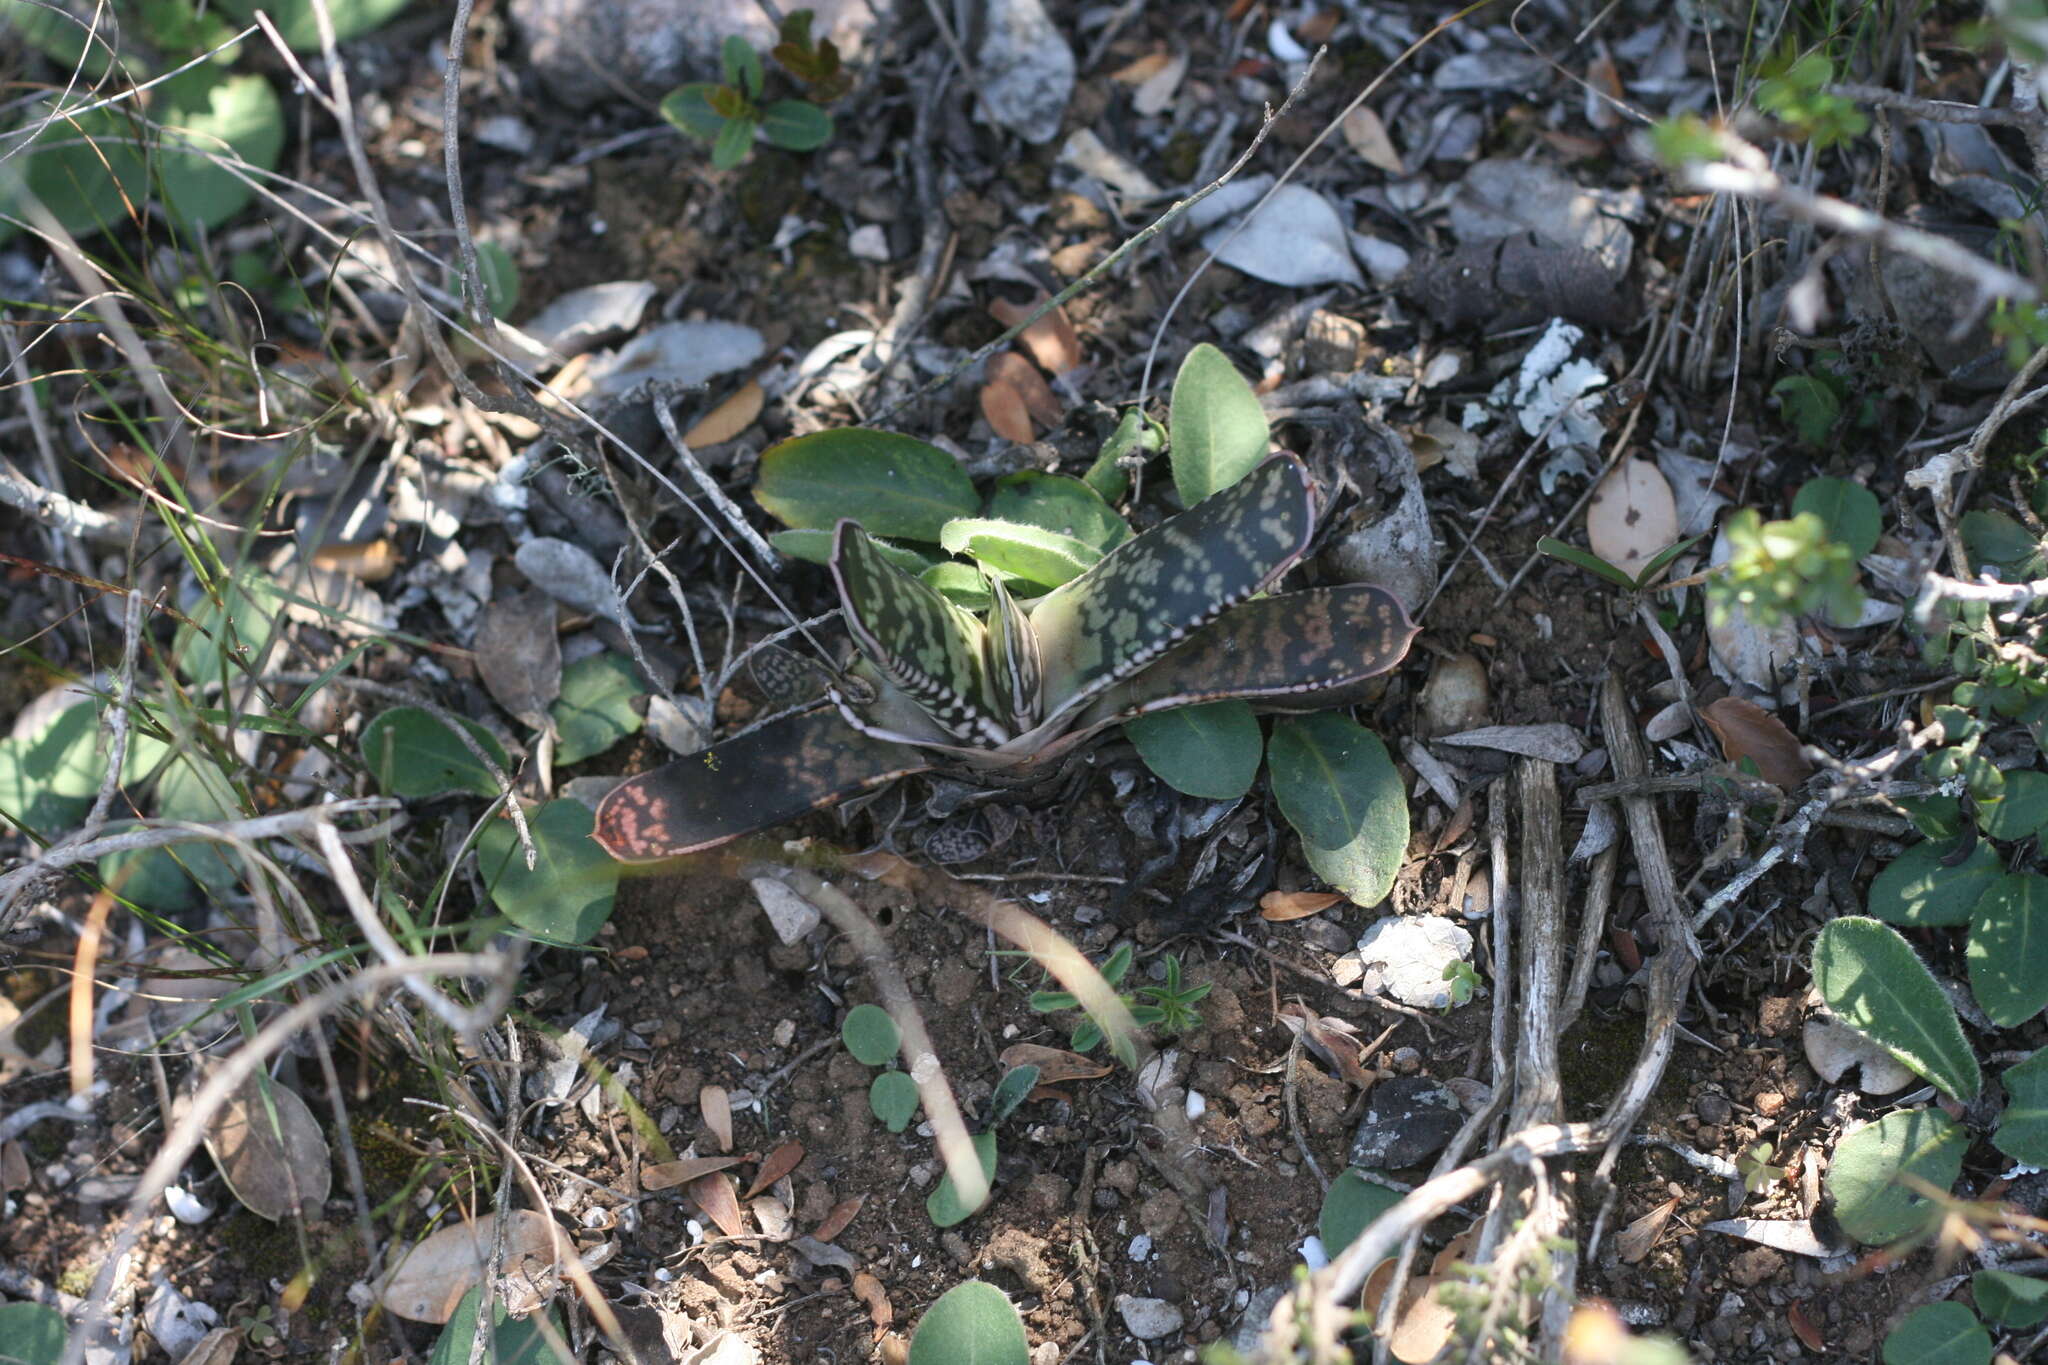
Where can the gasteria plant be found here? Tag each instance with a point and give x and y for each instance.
(1166, 622)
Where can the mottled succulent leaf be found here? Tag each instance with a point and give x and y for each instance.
(1150, 593)
(753, 781)
(914, 637)
(1010, 667)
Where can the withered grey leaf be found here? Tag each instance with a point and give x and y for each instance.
(270, 1150)
(519, 656)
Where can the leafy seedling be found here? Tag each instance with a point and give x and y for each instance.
(730, 115)
(1169, 1006)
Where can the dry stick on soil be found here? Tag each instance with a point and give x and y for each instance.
(892, 341)
(1919, 106)
(1592, 923)
(708, 486)
(1102, 268)
(184, 1137)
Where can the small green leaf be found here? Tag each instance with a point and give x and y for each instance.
(1936, 817)
(893, 1099)
(1211, 751)
(1218, 431)
(1350, 1204)
(688, 107)
(1871, 977)
(411, 753)
(1809, 404)
(2010, 1300)
(1043, 557)
(892, 485)
(1850, 510)
(1587, 560)
(1938, 1334)
(944, 1204)
(211, 116)
(961, 584)
(1871, 1202)
(971, 1324)
(595, 710)
(495, 268)
(1340, 790)
(2022, 1132)
(34, 1334)
(1921, 889)
(2008, 950)
(513, 1341)
(1012, 1090)
(1056, 503)
(1661, 560)
(1995, 540)
(567, 896)
(870, 1035)
(230, 635)
(733, 143)
(741, 65)
(2022, 811)
(796, 125)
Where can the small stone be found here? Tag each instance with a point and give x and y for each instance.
(1753, 1267)
(869, 243)
(1148, 1319)
(1407, 1120)
(1713, 1107)
(1769, 1103)
(1405, 957)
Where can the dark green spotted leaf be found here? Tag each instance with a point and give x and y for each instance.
(1872, 1204)
(1927, 886)
(2008, 950)
(1338, 787)
(1210, 751)
(1872, 978)
(1029, 552)
(2022, 1132)
(1057, 503)
(1149, 594)
(924, 645)
(1010, 669)
(891, 484)
(567, 896)
(1218, 432)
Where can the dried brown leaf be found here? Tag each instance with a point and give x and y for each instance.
(1454, 1250)
(274, 1165)
(1603, 79)
(519, 656)
(668, 1174)
(717, 1199)
(1635, 1241)
(1141, 70)
(1003, 407)
(1055, 1066)
(1805, 1329)
(869, 1291)
(1050, 340)
(1367, 136)
(726, 421)
(426, 1285)
(1424, 1326)
(218, 1347)
(1155, 94)
(1746, 730)
(780, 1163)
(1282, 906)
(835, 1222)
(372, 562)
(1332, 1040)
(1632, 516)
(716, 1107)
(1377, 1282)
(1040, 402)
(1456, 827)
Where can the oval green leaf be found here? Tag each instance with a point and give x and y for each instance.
(1921, 889)
(1871, 1202)
(944, 1204)
(595, 710)
(960, 584)
(512, 1341)
(2010, 1300)
(733, 142)
(1216, 427)
(971, 1324)
(1938, 1334)
(1871, 977)
(796, 125)
(1211, 751)
(890, 484)
(211, 116)
(2022, 1132)
(870, 1035)
(295, 21)
(1338, 787)
(1012, 1090)
(411, 753)
(1850, 510)
(1057, 503)
(2022, 811)
(567, 896)
(1043, 557)
(1350, 1204)
(2008, 950)
(34, 1334)
(893, 1099)
(688, 107)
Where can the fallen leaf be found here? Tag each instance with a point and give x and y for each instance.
(1003, 407)
(716, 1106)
(1603, 80)
(1377, 1282)
(1039, 403)
(1051, 339)
(780, 1163)
(519, 656)
(1454, 1250)
(1155, 94)
(667, 1174)
(276, 1167)
(1366, 135)
(372, 562)
(1282, 906)
(719, 1202)
(1332, 1040)
(835, 1222)
(1457, 826)
(1746, 730)
(1634, 1241)
(1632, 516)
(1809, 1334)
(1424, 1326)
(431, 1279)
(726, 421)
(1143, 69)
(1626, 951)
(1055, 1066)
(218, 1347)
(869, 1291)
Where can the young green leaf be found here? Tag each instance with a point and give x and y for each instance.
(1211, 751)
(796, 125)
(2022, 811)
(870, 1035)
(1871, 977)
(1057, 503)
(971, 1324)
(2022, 1132)
(892, 485)
(1218, 431)
(944, 1204)
(2008, 950)
(741, 65)
(2010, 1300)
(1340, 790)
(1043, 557)
(1922, 888)
(1872, 1204)
(513, 1341)
(1938, 1334)
(1850, 510)
(208, 113)
(1587, 560)
(735, 139)
(34, 1334)
(595, 710)
(300, 28)
(961, 584)
(1012, 1090)
(567, 896)
(688, 107)
(893, 1099)
(411, 753)
(1350, 1204)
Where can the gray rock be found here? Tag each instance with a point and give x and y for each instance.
(574, 322)
(1405, 958)
(590, 51)
(1149, 1319)
(1408, 1120)
(1026, 69)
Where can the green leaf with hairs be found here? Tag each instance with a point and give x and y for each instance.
(1873, 980)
